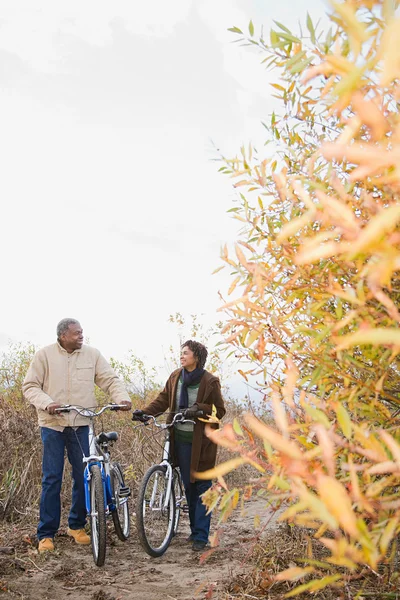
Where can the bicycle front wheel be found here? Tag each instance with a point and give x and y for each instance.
(120, 494)
(97, 516)
(155, 513)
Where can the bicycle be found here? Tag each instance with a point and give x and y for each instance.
(105, 490)
(161, 496)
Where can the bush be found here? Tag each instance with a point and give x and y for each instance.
(317, 316)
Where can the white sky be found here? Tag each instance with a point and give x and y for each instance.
(112, 210)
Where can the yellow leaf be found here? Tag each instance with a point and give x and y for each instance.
(338, 502)
(233, 285)
(243, 374)
(275, 439)
(293, 574)
(317, 415)
(293, 227)
(391, 443)
(252, 337)
(279, 412)
(241, 256)
(243, 299)
(315, 585)
(390, 50)
(344, 420)
(387, 466)
(338, 211)
(375, 337)
(380, 225)
(221, 469)
(388, 534)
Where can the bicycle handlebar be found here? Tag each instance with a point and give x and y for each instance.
(178, 418)
(87, 412)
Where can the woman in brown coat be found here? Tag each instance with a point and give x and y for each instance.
(189, 390)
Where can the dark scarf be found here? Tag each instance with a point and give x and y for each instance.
(188, 379)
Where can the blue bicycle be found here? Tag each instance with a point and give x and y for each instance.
(105, 490)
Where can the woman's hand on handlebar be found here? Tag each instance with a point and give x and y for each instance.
(140, 415)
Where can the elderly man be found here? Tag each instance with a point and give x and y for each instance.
(65, 373)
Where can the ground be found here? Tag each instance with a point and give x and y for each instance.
(129, 573)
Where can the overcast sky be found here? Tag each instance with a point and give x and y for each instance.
(112, 210)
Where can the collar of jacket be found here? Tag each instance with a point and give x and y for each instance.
(64, 350)
(204, 387)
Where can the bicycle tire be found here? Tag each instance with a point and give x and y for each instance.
(179, 497)
(154, 523)
(98, 529)
(120, 515)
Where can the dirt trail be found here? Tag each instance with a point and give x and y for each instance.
(129, 574)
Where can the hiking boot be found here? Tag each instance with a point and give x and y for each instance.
(45, 545)
(79, 535)
(199, 546)
(189, 539)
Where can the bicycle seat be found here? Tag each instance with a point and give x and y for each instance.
(103, 438)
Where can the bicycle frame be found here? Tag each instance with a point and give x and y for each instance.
(166, 461)
(99, 457)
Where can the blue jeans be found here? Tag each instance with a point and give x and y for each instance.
(199, 520)
(76, 442)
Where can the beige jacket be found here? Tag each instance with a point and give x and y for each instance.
(57, 376)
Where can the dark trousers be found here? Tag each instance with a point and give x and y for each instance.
(76, 442)
(199, 520)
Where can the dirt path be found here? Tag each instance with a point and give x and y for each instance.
(129, 574)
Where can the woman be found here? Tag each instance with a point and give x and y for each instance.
(192, 389)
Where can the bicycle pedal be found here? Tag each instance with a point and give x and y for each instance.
(124, 492)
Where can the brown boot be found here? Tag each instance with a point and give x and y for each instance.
(79, 535)
(45, 545)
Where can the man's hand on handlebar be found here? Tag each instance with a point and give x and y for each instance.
(125, 405)
(51, 408)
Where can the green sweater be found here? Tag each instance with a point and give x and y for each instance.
(184, 431)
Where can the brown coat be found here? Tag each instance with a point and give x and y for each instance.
(204, 451)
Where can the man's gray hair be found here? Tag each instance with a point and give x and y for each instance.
(63, 325)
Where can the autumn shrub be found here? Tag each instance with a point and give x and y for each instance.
(316, 318)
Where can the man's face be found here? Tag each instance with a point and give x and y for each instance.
(72, 339)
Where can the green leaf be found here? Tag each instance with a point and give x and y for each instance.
(235, 30)
(251, 28)
(317, 415)
(236, 428)
(311, 28)
(299, 67)
(344, 420)
(283, 27)
(297, 57)
(274, 38)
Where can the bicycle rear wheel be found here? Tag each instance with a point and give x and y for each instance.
(154, 520)
(120, 494)
(180, 497)
(97, 516)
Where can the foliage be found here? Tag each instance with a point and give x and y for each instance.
(317, 316)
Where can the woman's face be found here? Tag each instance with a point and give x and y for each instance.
(188, 360)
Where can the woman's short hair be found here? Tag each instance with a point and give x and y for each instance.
(200, 352)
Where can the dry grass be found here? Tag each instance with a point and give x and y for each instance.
(284, 547)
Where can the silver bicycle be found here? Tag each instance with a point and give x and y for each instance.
(161, 496)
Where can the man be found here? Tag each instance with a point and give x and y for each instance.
(65, 373)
